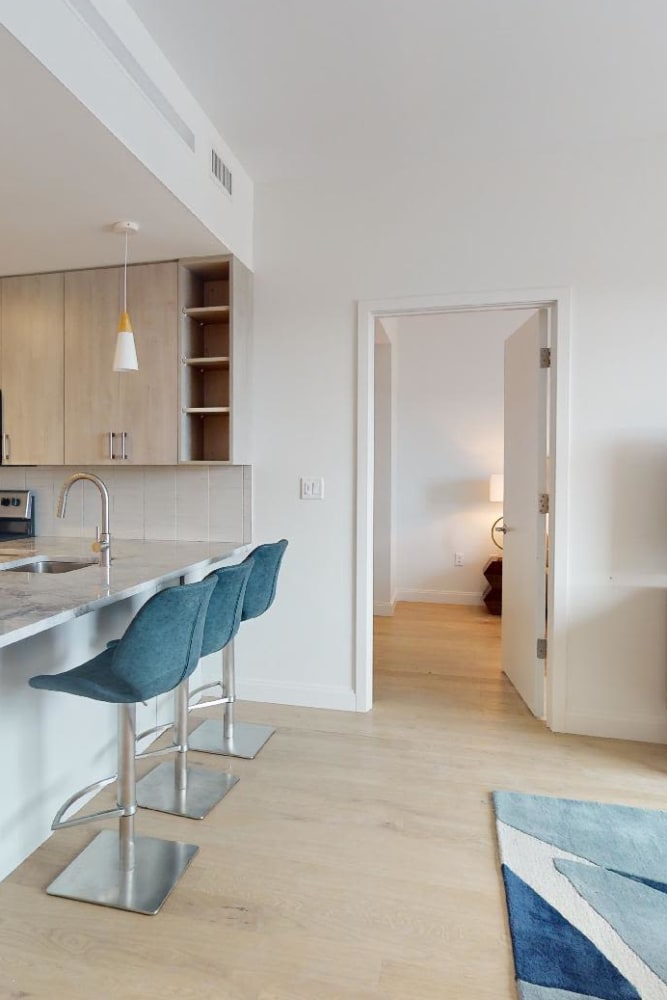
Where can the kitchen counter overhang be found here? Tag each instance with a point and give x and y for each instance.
(33, 602)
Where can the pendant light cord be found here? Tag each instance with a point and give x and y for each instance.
(125, 277)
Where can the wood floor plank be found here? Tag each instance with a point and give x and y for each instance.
(355, 860)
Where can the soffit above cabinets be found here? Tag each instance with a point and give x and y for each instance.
(67, 176)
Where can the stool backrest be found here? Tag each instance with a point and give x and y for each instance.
(162, 644)
(261, 588)
(223, 616)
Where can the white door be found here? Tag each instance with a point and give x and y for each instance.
(524, 556)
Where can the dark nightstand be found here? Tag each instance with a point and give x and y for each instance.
(493, 595)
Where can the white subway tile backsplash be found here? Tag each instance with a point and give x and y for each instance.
(247, 504)
(12, 478)
(192, 506)
(42, 483)
(225, 493)
(160, 503)
(170, 502)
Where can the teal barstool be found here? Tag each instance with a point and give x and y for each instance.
(238, 739)
(177, 788)
(159, 649)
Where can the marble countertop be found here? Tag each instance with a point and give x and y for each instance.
(33, 602)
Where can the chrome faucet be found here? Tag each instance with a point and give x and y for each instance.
(103, 544)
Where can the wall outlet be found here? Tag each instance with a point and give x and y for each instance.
(312, 489)
(458, 559)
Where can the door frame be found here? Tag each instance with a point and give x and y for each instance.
(558, 303)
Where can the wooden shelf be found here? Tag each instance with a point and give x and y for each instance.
(213, 364)
(215, 297)
(208, 314)
(206, 409)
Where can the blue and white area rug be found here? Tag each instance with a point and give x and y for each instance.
(586, 888)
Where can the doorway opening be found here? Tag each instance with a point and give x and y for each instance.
(553, 306)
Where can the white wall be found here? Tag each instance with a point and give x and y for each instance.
(383, 499)
(592, 218)
(450, 440)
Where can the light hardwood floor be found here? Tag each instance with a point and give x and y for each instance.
(356, 859)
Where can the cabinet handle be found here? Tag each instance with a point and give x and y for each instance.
(123, 446)
(111, 437)
(7, 441)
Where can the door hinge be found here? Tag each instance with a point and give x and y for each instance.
(541, 649)
(545, 357)
(543, 503)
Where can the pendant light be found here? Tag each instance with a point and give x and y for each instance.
(125, 356)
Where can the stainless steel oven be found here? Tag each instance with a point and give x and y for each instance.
(17, 515)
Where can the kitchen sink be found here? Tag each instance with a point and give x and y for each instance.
(51, 566)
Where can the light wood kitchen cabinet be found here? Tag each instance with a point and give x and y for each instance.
(121, 417)
(31, 369)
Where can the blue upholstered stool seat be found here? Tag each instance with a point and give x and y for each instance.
(261, 590)
(158, 651)
(242, 739)
(94, 679)
(160, 647)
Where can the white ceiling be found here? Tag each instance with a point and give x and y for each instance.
(64, 178)
(307, 87)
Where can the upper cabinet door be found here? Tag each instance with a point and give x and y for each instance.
(92, 390)
(32, 369)
(121, 417)
(149, 397)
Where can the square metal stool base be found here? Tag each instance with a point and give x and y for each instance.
(247, 741)
(95, 875)
(204, 789)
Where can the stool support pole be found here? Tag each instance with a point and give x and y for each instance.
(229, 691)
(179, 789)
(181, 699)
(117, 869)
(127, 784)
(240, 739)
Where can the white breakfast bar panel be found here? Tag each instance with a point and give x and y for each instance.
(57, 743)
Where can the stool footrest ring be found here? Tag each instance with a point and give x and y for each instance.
(174, 748)
(205, 687)
(60, 824)
(200, 706)
(154, 729)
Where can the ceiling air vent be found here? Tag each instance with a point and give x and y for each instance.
(221, 172)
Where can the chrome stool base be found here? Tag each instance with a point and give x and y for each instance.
(203, 790)
(95, 876)
(246, 741)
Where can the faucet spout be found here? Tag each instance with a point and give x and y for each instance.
(104, 543)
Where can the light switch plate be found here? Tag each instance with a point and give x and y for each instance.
(312, 489)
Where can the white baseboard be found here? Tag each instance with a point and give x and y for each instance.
(652, 729)
(303, 695)
(384, 608)
(440, 596)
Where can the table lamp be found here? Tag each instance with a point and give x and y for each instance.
(496, 489)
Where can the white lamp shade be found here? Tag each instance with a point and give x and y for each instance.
(496, 487)
(125, 357)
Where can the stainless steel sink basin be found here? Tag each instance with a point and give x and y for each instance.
(51, 566)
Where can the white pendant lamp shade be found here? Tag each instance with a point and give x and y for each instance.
(125, 355)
